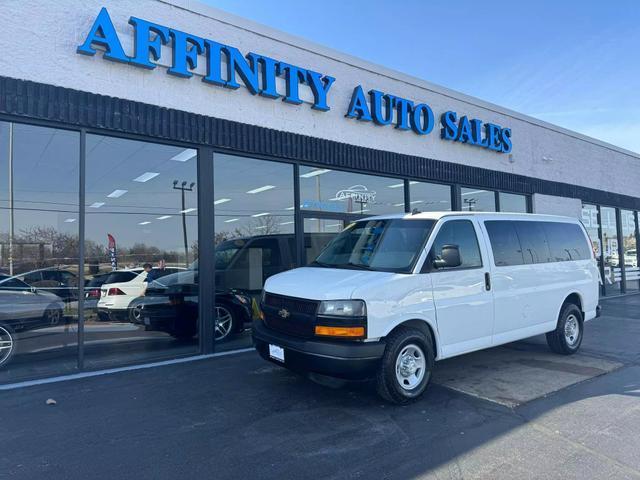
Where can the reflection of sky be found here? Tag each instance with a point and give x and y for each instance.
(45, 170)
(478, 200)
(430, 197)
(149, 211)
(268, 210)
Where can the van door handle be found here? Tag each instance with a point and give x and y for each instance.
(487, 281)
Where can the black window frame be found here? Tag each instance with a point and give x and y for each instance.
(427, 266)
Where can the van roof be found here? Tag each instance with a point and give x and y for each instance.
(481, 215)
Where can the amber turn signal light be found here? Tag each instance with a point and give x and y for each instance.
(339, 331)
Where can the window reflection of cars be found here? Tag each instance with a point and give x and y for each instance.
(60, 282)
(23, 307)
(120, 288)
(92, 291)
(170, 305)
(631, 258)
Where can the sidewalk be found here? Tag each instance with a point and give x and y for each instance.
(239, 417)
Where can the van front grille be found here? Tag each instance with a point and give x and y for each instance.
(293, 316)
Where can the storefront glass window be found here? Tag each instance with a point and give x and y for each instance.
(141, 244)
(39, 178)
(335, 191)
(510, 202)
(612, 264)
(474, 200)
(629, 247)
(254, 238)
(430, 197)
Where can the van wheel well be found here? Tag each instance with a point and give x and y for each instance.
(575, 299)
(422, 326)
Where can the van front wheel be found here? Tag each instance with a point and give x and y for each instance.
(405, 369)
(567, 337)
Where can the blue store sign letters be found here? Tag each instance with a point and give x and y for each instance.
(258, 73)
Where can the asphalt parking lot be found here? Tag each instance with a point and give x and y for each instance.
(239, 417)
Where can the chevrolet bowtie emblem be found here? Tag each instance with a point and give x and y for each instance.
(284, 313)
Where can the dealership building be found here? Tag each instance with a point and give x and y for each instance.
(221, 152)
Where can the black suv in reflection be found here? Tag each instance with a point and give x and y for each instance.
(170, 305)
(242, 266)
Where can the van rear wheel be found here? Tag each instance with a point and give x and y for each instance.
(406, 366)
(567, 337)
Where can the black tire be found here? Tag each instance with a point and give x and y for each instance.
(567, 337)
(7, 344)
(388, 385)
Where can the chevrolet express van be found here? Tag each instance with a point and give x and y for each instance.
(391, 295)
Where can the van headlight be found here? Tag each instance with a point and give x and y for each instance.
(343, 308)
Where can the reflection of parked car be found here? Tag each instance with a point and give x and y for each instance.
(119, 289)
(92, 291)
(171, 305)
(23, 307)
(62, 283)
(246, 262)
(631, 258)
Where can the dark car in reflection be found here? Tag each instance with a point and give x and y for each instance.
(92, 291)
(58, 281)
(23, 307)
(170, 305)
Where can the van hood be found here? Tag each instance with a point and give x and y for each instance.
(318, 283)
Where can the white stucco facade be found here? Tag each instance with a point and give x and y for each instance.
(50, 33)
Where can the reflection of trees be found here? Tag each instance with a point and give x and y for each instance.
(44, 246)
(267, 225)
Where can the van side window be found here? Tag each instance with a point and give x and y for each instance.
(463, 234)
(533, 239)
(566, 241)
(504, 243)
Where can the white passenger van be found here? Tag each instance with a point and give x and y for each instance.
(390, 295)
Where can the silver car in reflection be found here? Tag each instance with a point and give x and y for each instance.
(22, 308)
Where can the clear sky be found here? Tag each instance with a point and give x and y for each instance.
(574, 63)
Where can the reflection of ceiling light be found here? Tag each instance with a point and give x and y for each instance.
(415, 201)
(185, 155)
(314, 173)
(334, 225)
(290, 208)
(163, 217)
(261, 214)
(144, 223)
(96, 205)
(188, 210)
(261, 227)
(286, 223)
(262, 189)
(398, 204)
(231, 220)
(70, 220)
(221, 200)
(145, 177)
(397, 185)
(474, 192)
(117, 193)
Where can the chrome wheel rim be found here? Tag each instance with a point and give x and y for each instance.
(53, 317)
(571, 330)
(136, 312)
(410, 367)
(224, 322)
(6, 344)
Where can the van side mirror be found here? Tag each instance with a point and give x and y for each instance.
(449, 257)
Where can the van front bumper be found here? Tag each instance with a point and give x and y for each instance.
(342, 359)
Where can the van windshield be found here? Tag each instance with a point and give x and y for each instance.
(389, 245)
